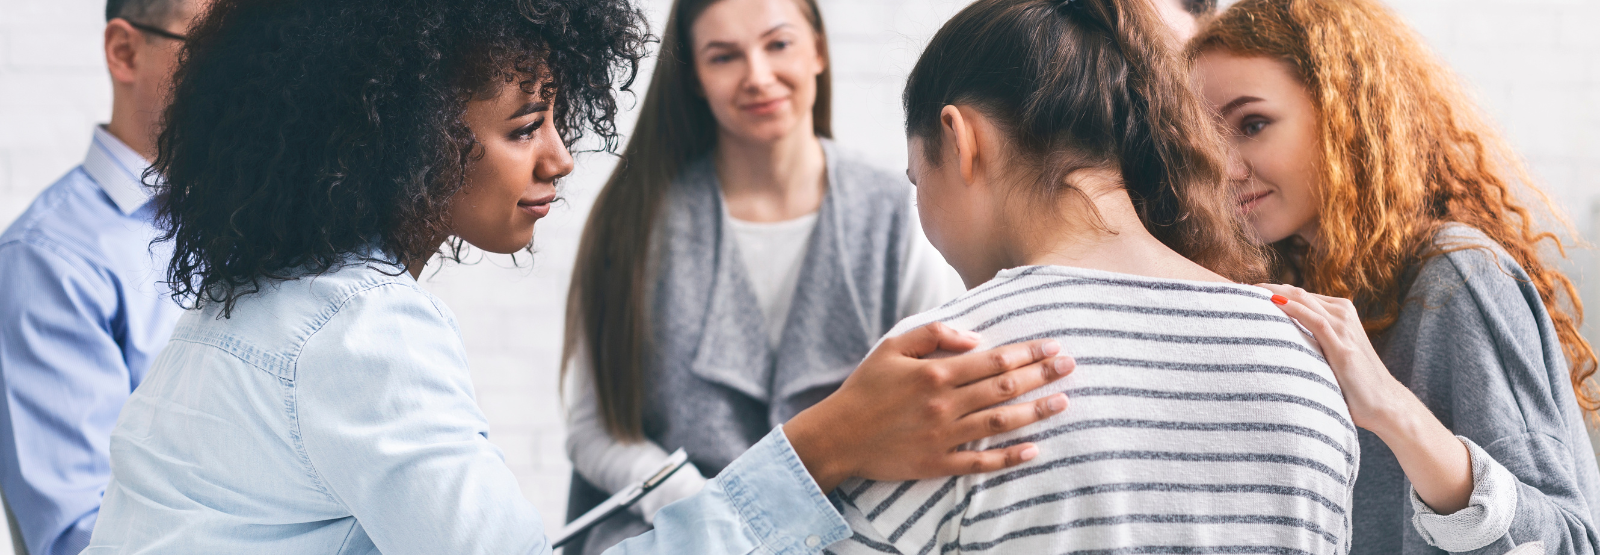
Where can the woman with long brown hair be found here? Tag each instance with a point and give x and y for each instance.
(1374, 177)
(738, 264)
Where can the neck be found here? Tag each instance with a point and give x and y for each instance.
(414, 267)
(131, 126)
(771, 181)
(1309, 234)
(1099, 230)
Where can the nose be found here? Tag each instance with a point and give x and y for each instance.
(554, 164)
(761, 74)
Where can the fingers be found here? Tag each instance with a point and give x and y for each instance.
(972, 367)
(1005, 387)
(933, 337)
(960, 463)
(985, 423)
(1307, 317)
(1315, 312)
(1296, 295)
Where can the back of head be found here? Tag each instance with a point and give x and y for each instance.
(1083, 84)
(149, 12)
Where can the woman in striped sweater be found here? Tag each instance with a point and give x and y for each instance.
(1066, 170)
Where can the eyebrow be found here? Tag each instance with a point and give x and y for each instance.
(1237, 102)
(530, 108)
(726, 44)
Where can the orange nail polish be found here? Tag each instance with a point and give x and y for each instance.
(1279, 299)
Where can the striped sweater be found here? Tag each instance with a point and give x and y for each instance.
(1202, 420)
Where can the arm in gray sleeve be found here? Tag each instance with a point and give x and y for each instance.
(1476, 344)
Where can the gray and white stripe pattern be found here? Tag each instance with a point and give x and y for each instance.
(1202, 420)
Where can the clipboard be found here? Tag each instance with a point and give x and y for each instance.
(622, 500)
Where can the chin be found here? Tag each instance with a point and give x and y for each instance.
(513, 243)
(1267, 236)
(767, 131)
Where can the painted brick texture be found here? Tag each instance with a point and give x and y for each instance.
(1534, 63)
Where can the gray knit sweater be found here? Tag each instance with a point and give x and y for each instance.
(1475, 343)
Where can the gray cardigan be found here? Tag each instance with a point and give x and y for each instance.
(1475, 343)
(716, 387)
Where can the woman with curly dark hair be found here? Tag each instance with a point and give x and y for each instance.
(317, 154)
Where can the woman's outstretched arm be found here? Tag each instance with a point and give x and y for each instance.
(1438, 464)
(1485, 370)
(898, 417)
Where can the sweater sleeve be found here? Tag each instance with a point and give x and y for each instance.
(1481, 351)
(1488, 514)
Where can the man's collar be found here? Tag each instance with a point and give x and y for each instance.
(118, 170)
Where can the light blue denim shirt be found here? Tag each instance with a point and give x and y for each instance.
(335, 414)
(82, 315)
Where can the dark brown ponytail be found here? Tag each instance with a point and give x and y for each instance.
(1084, 84)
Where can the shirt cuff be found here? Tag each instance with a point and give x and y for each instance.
(1487, 516)
(683, 484)
(779, 501)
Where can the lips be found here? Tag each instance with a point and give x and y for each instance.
(765, 107)
(539, 207)
(1249, 201)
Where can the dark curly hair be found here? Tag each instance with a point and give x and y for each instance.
(304, 131)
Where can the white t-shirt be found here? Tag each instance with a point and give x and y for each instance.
(773, 254)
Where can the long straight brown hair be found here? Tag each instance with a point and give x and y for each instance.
(607, 316)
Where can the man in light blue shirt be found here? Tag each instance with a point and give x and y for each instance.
(80, 295)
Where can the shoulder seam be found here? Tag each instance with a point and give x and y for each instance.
(30, 238)
(294, 394)
(324, 317)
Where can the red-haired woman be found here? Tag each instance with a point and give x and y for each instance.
(1375, 178)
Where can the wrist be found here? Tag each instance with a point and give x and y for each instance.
(1435, 461)
(1399, 425)
(1399, 416)
(819, 451)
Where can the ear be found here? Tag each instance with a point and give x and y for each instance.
(959, 133)
(122, 44)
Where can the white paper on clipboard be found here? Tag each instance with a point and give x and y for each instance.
(622, 500)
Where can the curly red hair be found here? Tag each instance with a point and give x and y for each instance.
(1404, 151)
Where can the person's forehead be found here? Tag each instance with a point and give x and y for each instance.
(734, 20)
(1224, 71)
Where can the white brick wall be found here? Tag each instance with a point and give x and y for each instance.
(1535, 63)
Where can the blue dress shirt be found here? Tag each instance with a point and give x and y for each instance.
(336, 414)
(84, 316)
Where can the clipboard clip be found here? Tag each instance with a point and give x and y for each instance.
(622, 500)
